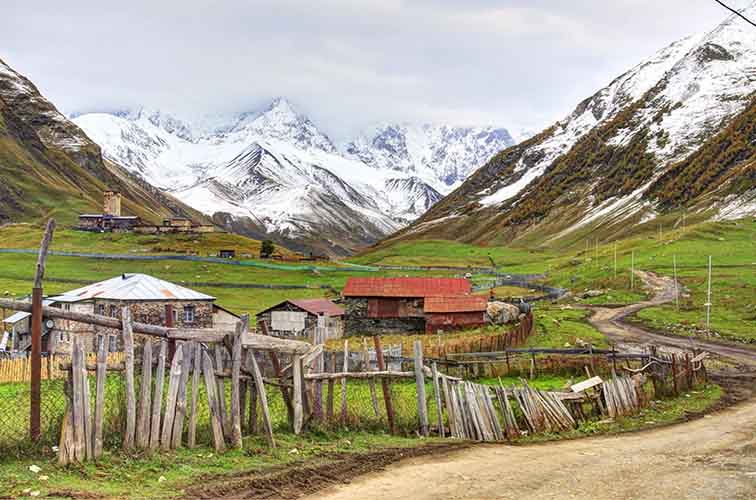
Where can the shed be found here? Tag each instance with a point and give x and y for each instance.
(299, 318)
(449, 313)
(395, 305)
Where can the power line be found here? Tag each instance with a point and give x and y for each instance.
(736, 12)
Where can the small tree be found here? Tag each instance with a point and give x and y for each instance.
(267, 249)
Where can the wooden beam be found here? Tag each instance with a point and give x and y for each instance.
(265, 343)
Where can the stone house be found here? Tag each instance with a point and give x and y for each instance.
(398, 305)
(296, 318)
(151, 300)
(110, 219)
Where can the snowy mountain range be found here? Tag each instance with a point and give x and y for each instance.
(273, 174)
(675, 132)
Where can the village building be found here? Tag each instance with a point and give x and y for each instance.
(150, 300)
(405, 305)
(110, 219)
(296, 318)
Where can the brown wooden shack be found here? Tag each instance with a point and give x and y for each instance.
(400, 305)
(299, 318)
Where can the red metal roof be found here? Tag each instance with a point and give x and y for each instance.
(467, 303)
(319, 306)
(406, 287)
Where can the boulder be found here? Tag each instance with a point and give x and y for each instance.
(592, 293)
(500, 313)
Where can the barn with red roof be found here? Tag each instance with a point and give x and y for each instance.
(404, 305)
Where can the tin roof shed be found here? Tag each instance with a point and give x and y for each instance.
(136, 287)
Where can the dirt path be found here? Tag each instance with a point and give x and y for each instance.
(609, 322)
(711, 457)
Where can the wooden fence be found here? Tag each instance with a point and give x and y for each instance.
(19, 369)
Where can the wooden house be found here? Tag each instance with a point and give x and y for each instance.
(399, 305)
(299, 318)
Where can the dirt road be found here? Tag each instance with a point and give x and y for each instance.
(712, 457)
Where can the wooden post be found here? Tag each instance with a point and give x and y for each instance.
(178, 419)
(252, 405)
(259, 385)
(422, 406)
(296, 370)
(212, 403)
(79, 427)
(236, 359)
(86, 401)
(384, 384)
(345, 369)
(439, 408)
(331, 383)
(128, 347)
(36, 334)
(143, 417)
(371, 382)
(279, 373)
(102, 363)
(170, 401)
(157, 398)
(708, 298)
(320, 338)
(221, 393)
(192, 437)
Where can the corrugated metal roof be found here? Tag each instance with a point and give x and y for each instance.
(406, 287)
(469, 303)
(132, 287)
(318, 306)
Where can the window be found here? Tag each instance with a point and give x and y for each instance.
(189, 313)
(66, 307)
(175, 316)
(100, 341)
(112, 343)
(113, 312)
(100, 309)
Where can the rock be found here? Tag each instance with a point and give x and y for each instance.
(592, 293)
(500, 313)
(35, 468)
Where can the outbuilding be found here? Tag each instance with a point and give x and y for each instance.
(296, 318)
(398, 305)
(453, 313)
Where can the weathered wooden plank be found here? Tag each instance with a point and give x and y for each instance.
(170, 402)
(79, 446)
(143, 416)
(331, 384)
(128, 347)
(86, 402)
(66, 443)
(371, 382)
(236, 360)
(439, 408)
(192, 433)
(345, 370)
(296, 364)
(101, 377)
(586, 384)
(252, 408)
(263, 397)
(422, 405)
(157, 398)
(212, 403)
(221, 391)
(178, 419)
(449, 408)
(385, 385)
(266, 343)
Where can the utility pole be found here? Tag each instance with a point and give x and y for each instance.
(708, 298)
(632, 270)
(674, 275)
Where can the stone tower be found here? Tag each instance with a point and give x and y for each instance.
(112, 203)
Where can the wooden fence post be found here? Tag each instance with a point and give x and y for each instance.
(128, 347)
(422, 407)
(371, 382)
(170, 401)
(212, 402)
(178, 419)
(192, 437)
(331, 384)
(101, 376)
(36, 335)
(143, 417)
(385, 385)
(296, 371)
(221, 392)
(260, 386)
(439, 408)
(157, 398)
(236, 359)
(345, 369)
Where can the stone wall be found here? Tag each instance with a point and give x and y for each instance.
(357, 322)
(150, 312)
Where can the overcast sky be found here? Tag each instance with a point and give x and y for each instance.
(345, 63)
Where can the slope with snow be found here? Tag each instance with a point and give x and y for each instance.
(278, 172)
(621, 156)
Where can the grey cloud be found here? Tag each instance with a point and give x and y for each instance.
(345, 63)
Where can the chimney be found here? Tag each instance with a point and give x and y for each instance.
(112, 203)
